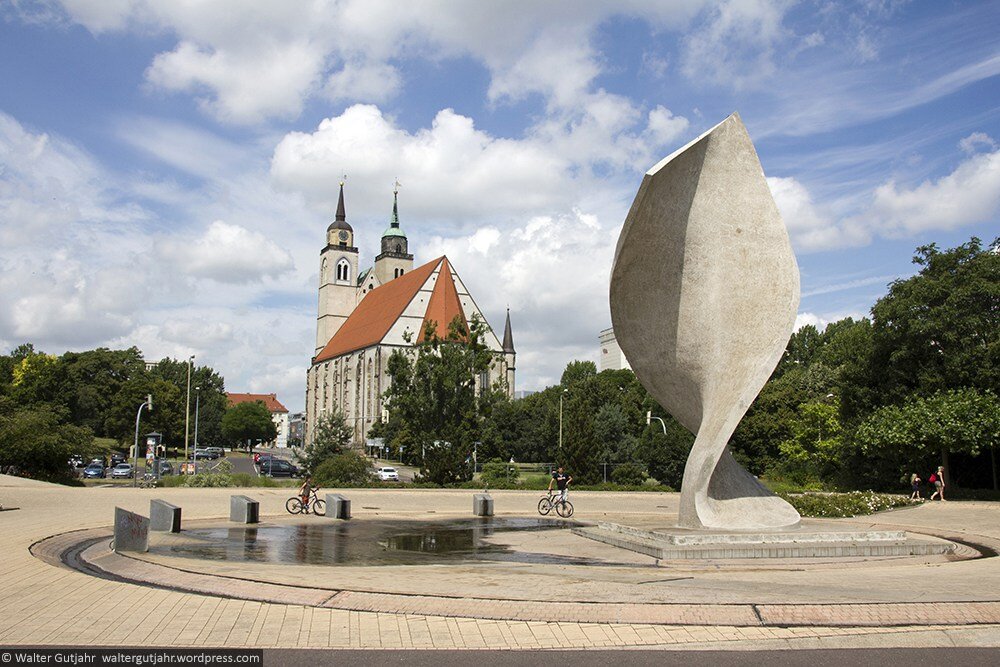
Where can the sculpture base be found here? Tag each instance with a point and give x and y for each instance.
(814, 542)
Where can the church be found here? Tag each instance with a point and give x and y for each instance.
(364, 316)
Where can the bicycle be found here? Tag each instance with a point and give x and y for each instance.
(294, 505)
(148, 481)
(563, 508)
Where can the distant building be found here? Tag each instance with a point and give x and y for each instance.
(612, 357)
(366, 315)
(523, 393)
(279, 413)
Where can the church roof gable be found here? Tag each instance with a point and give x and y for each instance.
(443, 306)
(377, 312)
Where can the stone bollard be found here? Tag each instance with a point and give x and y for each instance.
(482, 504)
(131, 531)
(164, 517)
(337, 506)
(243, 509)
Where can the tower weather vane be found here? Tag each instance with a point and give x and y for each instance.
(396, 186)
(343, 179)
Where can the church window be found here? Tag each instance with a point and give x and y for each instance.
(343, 270)
(399, 248)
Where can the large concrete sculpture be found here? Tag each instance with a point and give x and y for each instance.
(704, 292)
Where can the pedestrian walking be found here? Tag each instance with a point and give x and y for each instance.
(937, 479)
(915, 485)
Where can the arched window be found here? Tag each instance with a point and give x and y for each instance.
(399, 248)
(343, 270)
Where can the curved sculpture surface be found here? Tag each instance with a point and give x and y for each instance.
(704, 293)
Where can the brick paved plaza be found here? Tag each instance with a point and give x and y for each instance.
(610, 598)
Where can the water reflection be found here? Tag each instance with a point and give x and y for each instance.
(364, 542)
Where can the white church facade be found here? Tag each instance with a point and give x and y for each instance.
(364, 316)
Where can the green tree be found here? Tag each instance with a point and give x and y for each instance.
(36, 442)
(344, 469)
(331, 436)
(208, 395)
(665, 454)
(247, 422)
(940, 329)
(576, 372)
(813, 452)
(963, 420)
(433, 398)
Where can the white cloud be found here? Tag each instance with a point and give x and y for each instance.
(808, 227)
(248, 62)
(968, 195)
(246, 85)
(227, 253)
(974, 141)
(735, 46)
(369, 82)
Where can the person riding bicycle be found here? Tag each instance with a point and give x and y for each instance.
(562, 481)
(306, 489)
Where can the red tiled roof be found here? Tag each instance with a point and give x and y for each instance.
(377, 312)
(443, 305)
(270, 401)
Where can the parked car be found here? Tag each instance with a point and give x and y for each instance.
(122, 471)
(202, 453)
(387, 474)
(117, 457)
(217, 452)
(274, 467)
(166, 468)
(94, 470)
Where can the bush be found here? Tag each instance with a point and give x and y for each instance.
(855, 503)
(628, 474)
(499, 475)
(218, 476)
(347, 469)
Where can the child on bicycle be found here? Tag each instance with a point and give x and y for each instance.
(305, 490)
(562, 482)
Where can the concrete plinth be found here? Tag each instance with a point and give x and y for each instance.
(164, 517)
(243, 509)
(683, 544)
(337, 506)
(482, 504)
(131, 531)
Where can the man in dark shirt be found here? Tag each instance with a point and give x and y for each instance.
(562, 481)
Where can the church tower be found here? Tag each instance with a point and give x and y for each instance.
(394, 260)
(338, 277)
(509, 355)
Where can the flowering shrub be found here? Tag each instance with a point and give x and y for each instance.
(854, 503)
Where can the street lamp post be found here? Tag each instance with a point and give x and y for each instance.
(564, 391)
(135, 466)
(650, 418)
(197, 405)
(187, 409)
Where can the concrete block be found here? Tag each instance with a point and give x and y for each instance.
(243, 509)
(131, 531)
(337, 506)
(164, 517)
(482, 504)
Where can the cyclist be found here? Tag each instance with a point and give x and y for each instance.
(305, 490)
(562, 482)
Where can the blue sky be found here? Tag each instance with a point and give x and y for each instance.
(167, 169)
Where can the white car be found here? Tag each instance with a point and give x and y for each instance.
(387, 475)
(122, 471)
